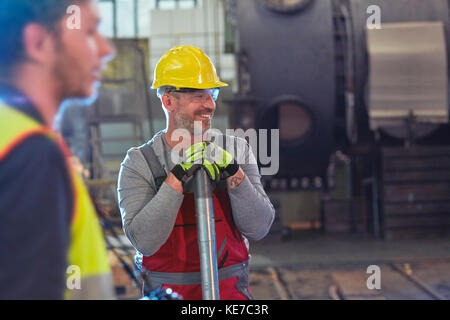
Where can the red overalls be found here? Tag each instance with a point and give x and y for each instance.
(179, 257)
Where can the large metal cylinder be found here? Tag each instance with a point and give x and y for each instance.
(417, 15)
(206, 230)
(287, 61)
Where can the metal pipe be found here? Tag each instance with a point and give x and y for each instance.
(114, 19)
(136, 18)
(206, 230)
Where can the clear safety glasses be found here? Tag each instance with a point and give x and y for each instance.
(198, 94)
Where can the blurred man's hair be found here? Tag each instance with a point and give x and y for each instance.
(15, 15)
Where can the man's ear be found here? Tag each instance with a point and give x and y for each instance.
(168, 102)
(38, 42)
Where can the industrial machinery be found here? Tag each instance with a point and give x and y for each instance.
(366, 80)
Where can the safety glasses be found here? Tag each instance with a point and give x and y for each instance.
(198, 93)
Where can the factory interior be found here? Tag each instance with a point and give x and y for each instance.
(352, 98)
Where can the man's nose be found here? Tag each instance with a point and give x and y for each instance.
(209, 103)
(107, 50)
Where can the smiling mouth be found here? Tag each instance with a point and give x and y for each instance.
(206, 116)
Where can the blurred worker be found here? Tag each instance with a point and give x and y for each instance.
(48, 226)
(158, 212)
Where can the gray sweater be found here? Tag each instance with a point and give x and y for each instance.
(149, 216)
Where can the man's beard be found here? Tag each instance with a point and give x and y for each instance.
(182, 121)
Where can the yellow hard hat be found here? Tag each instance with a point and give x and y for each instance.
(186, 67)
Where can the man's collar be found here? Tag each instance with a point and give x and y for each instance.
(17, 100)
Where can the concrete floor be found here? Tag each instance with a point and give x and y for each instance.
(423, 281)
(319, 266)
(315, 249)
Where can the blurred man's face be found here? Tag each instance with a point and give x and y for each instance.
(81, 54)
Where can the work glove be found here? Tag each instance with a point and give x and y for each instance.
(191, 163)
(221, 159)
(217, 162)
(203, 157)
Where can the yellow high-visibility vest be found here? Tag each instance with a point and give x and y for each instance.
(87, 250)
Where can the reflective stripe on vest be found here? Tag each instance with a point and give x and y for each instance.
(87, 247)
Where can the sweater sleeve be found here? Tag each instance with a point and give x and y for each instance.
(148, 216)
(253, 212)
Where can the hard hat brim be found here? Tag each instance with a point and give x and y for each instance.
(218, 84)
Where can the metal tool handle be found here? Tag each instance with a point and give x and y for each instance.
(206, 230)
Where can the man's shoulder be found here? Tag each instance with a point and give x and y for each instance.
(135, 153)
(135, 158)
(37, 148)
(35, 162)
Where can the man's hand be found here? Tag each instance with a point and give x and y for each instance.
(192, 162)
(195, 157)
(218, 163)
(224, 161)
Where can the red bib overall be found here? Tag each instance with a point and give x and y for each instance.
(177, 263)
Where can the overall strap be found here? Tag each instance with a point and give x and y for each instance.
(153, 163)
(160, 175)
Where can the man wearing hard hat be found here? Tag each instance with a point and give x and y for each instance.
(155, 197)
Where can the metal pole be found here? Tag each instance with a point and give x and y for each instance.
(135, 18)
(114, 19)
(206, 231)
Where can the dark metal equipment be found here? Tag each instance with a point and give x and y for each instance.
(206, 229)
(416, 189)
(331, 81)
(286, 61)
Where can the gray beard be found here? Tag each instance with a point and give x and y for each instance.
(182, 122)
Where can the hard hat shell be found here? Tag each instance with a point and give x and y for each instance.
(186, 67)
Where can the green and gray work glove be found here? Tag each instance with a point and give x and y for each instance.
(217, 162)
(221, 159)
(191, 163)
